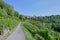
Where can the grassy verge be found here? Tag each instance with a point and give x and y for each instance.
(8, 23)
(28, 35)
(4, 37)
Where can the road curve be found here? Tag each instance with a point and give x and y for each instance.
(17, 34)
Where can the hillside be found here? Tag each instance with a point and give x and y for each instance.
(9, 18)
(43, 28)
(35, 28)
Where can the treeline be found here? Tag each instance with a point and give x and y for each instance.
(54, 20)
(47, 27)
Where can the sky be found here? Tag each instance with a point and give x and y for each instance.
(36, 7)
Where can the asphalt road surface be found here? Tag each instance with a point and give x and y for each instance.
(17, 34)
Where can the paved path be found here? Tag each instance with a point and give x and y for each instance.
(17, 34)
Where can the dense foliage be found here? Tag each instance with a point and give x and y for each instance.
(47, 27)
(8, 16)
(35, 28)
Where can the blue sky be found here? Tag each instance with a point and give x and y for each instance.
(36, 7)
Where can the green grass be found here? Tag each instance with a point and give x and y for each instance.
(28, 35)
(8, 23)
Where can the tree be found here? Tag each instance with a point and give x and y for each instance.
(16, 14)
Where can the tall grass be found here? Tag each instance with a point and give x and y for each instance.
(8, 23)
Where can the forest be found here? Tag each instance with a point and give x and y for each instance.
(35, 28)
(43, 28)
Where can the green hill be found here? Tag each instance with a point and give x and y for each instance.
(40, 28)
(8, 16)
(35, 28)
